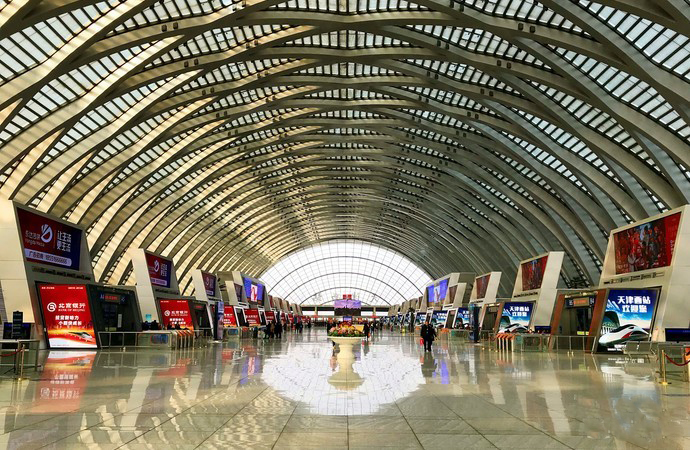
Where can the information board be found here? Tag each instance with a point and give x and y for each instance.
(160, 270)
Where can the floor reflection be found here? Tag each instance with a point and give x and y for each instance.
(250, 394)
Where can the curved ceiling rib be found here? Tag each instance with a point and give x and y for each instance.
(466, 135)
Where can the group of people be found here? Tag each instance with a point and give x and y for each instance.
(275, 328)
(155, 326)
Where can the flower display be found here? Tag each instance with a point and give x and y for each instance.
(346, 331)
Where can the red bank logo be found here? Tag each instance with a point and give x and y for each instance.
(167, 313)
(46, 233)
(51, 307)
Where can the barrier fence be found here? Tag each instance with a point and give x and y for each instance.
(21, 354)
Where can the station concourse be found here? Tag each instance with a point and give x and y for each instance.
(234, 223)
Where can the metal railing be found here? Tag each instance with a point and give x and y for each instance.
(174, 339)
(674, 361)
(23, 354)
(570, 344)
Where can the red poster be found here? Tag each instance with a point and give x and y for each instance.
(160, 270)
(48, 241)
(229, 319)
(533, 273)
(482, 283)
(252, 316)
(646, 246)
(63, 381)
(176, 312)
(67, 316)
(270, 316)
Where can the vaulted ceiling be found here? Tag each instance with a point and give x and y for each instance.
(465, 135)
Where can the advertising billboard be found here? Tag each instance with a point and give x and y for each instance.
(516, 314)
(628, 317)
(160, 270)
(229, 319)
(533, 273)
(270, 316)
(48, 241)
(438, 318)
(462, 319)
(348, 307)
(253, 291)
(646, 246)
(436, 293)
(209, 283)
(176, 312)
(482, 283)
(67, 316)
(252, 316)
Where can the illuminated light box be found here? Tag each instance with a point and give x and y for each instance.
(67, 316)
(176, 312)
(47, 241)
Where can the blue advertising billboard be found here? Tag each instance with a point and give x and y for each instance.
(437, 292)
(516, 314)
(462, 320)
(628, 317)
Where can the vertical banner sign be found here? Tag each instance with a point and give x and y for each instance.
(48, 241)
(160, 270)
(67, 316)
(17, 322)
(176, 312)
(209, 283)
(220, 320)
(252, 316)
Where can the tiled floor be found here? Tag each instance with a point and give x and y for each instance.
(255, 395)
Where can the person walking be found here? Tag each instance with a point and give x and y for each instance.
(428, 334)
(366, 330)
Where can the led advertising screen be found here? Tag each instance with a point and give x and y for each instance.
(515, 316)
(436, 293)
(176, 312)
(420, 318)
(253, 291)
(67, 316)
(160, 270)
(533, 273)
(209, 283)
(646, 246)
(48, 241)
(348, 307)
(482, 283)
(628, 317)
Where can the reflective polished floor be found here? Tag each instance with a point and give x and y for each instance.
(284, 394)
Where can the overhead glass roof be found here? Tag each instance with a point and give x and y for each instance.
(319, 274)
(466, 135)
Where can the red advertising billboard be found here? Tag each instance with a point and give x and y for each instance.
(229, 319)
(67, 316)
(270, 316)
(160, 270)
(252, 316)
(482, 283)
(176, 312)
(646, 246)
(48, 241)
(533, 273)
(209, 283)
